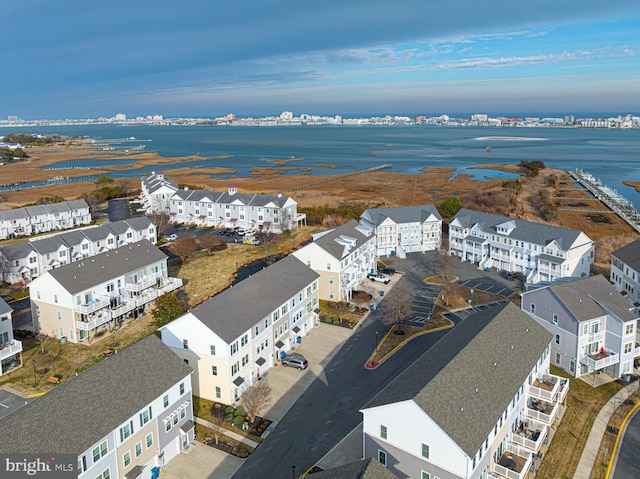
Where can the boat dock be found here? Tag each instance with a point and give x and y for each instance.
(617, 203)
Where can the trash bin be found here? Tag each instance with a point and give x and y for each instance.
(282, 354)
(298, 340)
(372, 307)
(381, 293)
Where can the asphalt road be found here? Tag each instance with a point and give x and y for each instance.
(627, 465)
(329, 409)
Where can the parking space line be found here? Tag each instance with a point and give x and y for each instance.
(4, 405)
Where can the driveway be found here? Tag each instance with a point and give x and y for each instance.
(10, 402)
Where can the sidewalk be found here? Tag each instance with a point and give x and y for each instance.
(591, 448)
(227, 432)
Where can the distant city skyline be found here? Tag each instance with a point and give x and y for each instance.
(71, 59)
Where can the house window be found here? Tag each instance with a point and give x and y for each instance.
(627, 348)
(149, 440)
(331, 280)
(145, 416)
(126, 458)
(425, 475)
(218, 394)
(557, 358)
(585, 328)
(165, 400)
(181, 389)
(572, 366)
(139, 449)
(555, 318)
(425, 451)
(214, 370)
(383, 431)
(185, 343)
(244, 340)
(186, 361)
(234, 368)
(100, 451)
(257, 330)
(628, 329)
(167, 425)
(106, 474)
(329, 266)
(382, 457)
(234, 348)
(126, 431)
(557, 339)
(330, 294)
(55, 298)
(213, 350)
(266, 323)
(532, 308)
(245, 360)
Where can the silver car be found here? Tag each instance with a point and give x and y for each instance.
(295, 361)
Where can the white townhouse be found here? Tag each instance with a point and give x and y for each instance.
(594, 327)
(233, 339)
(131, 414)
(479, 404)
(24, 261)
(625, 271)
(342, 256)
(405, 229)
(10, 348)
(541, 252)
(231, 209)
(75, 301)
(42, 218)
(156, 191)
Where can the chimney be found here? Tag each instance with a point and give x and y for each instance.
(279, 194)
(233, 189)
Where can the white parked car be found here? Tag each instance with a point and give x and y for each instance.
(172, 237)
(379, 277)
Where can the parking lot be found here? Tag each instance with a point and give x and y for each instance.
(489, 285)
(10, 402)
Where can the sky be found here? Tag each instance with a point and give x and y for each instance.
(80, 59)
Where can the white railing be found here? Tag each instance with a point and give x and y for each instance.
(90, 308)
(531, 444)
(104, 317)
(541, 416)
(140, 285)
(564, 389)
(10, 349)
(612, 358)
(169, 285)
(510, 473)
(544, 393)
(597, 336)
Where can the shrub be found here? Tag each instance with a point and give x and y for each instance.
(328, 319)
(229, 410)
(237, 420)
(240, 412)
(228, 418)
(336, 321)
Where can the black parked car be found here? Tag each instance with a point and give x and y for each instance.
(388, 271)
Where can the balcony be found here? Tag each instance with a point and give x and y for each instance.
(550, 388)
(593, 337)
(99, 320)
(542, 411)
(123, 308)
(141, 285)
(169, 285)
(600, 360)
(514, 462)
(531, 435)
(10, 349)
(92, 307)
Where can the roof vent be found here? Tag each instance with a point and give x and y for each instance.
(461, 409)
(526, 330)
(476, 390)
(512, 346)
(495, 364)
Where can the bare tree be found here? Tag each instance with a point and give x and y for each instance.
(212, 243)
(41, 338)
(217, 428)
(255, 399)
(162, 220)
(361, 298)
(5, 268)
(266, 238)
(124, 184)
(184, 247)
(443, 267)
(340, 308)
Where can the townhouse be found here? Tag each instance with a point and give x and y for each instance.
(156, 191)
(480, 403)
(541, 252)
(42, 218)
(594, 326)
(625, 271)
(132, 414)
(24, 261)
(10, 348)
(342, 256)
(233, 339)
(75, 301)
(231, 209)
(362, 469)
(405, 229)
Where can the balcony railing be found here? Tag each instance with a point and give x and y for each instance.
(10, 349)
(92, 307)
(530, 435)
(601, 359)
(169, 285)
(514, 462)
(140, 285)
(104, 317)
(546, 387)
(542, 411)
(597, 336)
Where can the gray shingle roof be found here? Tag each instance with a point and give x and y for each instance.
(118, 227)
(401, 214)
(15, 214)
(629, 254)
(467, 380)
(79, 412)
(17, 251)
(363, 469)
(591, 298)
(259, 295)
(4, 307)
(153, 183)
(139, 223)
(537, 233)
(48, 245)
(329, 243)
(81, 275)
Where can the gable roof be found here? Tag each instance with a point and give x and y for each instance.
(629, 254)
(466, 381)
(81, 275)
(401, 214)
(362, 469)
(591, 297)
(258, 296)
(536, 233)
(101, 398)
(335, 241)
(4, 307)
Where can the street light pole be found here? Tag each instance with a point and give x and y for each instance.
(35, 381)
(293, 471)
(376, 350)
